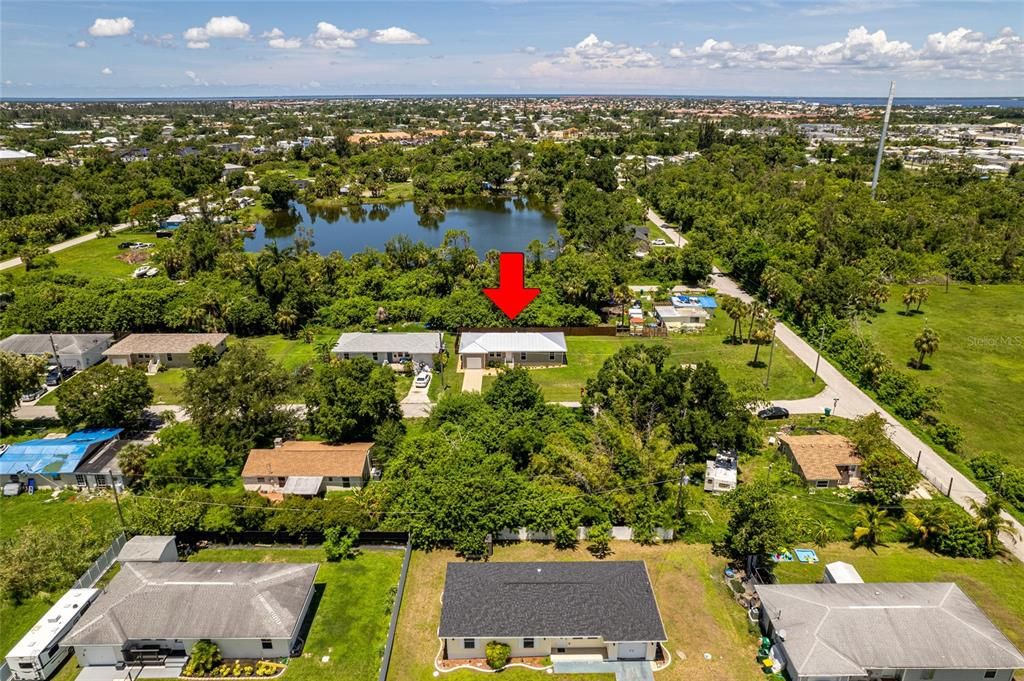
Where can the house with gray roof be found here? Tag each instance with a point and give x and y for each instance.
(603, 609)
(78, 350)
(390, 348)
(171, 350)
(899, 631)
(155, 612)
(478, 350)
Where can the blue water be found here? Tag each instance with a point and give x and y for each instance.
(492, 223)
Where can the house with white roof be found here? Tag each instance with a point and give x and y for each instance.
(478, 350)
(884, 631)
(78, 350)
(390, 348)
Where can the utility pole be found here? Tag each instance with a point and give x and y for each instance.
(821, 341)
(56, 358)
(771, 354)
(881, 140)
(117, 502)
(679, 497)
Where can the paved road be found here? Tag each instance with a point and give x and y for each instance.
(850, 401)
(15, 262)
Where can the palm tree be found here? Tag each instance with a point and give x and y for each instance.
(989, 520)
(873, 367)
(932, 523)
(382, 315)
(922, 295)
(763, 333)
(926, 344)
(286, 320)
(878, 293)
(621, 295)
(737, 310)
(909, 298)
(756, 309)
(821, 533)
(871, 522)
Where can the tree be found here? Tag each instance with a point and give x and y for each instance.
(278, 190)
(30, 253)
(989, 520)
(18, 375)
(515, 391)
(871, 522)
(927, 344)
(909, 298)
(737, 311)
(889, 475)
(928, 525)
(498, 654)
(922, 296)
(203, 356)
(236, 403)
(348, 400)
(204, 656)
(132, 460)
(340, 543)
(180, 457)
(763, 520)
(104, 396)
(600, 539)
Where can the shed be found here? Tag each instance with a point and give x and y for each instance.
(149, 549)
(841, 573)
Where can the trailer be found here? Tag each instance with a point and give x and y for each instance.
(38, 654)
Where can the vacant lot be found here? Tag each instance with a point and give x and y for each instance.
(351, 620)
(993, 584)
(96, 259)
(790, 379)
(699, 614)
(980, 362)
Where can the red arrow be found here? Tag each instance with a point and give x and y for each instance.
(511, 296)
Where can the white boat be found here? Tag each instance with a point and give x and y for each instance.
(140, 272)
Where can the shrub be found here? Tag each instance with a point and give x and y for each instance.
(889, 475)
(565, 537)
(949, 436)
(498, 654)
(340, 543)
(204, 657)
(600, 538)
(961, 539)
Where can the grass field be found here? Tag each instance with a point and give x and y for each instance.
(699, 614)
(790, 379)
(993, 584)
(350, 624)
(980, 362)
(96, 259)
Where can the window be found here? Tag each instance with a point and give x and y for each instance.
(375, 357)
(469, 643)
(522, 356)
(551, 357)
(345, 482)
(267, 644)
(344, 355)
(281, 481)
(101, 480)
(528, 643)
(990, 674)
(169, 357)
(80, 480)
(821, 483)
(25, 665)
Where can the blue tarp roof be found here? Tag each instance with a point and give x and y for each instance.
(54, 456)
(706, 302)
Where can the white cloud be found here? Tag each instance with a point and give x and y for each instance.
(196, 80)
(594, 53)
(107, 72)
(198, 37)
(273, 33)
(395, 35)
(108, 28)
(961, 50)
(313, 83)
(285, 43)
(82, 44)
(330, 37)
(165, 40)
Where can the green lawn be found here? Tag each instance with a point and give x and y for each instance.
(167, 386)
(790, 379)
(452, 380)
(351, 620)
(41, 509)
(979, 366)
(993, 584)
(96, 259)
(19, 431)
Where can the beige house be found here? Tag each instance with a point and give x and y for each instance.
(307, 468)
(171, 350)
(478, 350)
(822, 460)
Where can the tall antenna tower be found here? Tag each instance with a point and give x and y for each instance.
(881, 140)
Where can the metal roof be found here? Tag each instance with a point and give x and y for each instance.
(413, 343)
(475, 342)
(41, 635)
(197, 600)
(145, 548)
(39, 343)
(612, 599)
(305, 485)
(54, 456)
(846, 629)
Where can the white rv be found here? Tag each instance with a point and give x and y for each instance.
(39, 653)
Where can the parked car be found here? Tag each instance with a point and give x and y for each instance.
(422, 380)
(124, 244)
(137, 245)
(658, 242)
(773, 413)
(33, 395)
(57, 374)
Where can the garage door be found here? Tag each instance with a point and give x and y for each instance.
(474, 362)
(632, 651)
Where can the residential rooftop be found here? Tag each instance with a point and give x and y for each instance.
(297, 458)
(160, 343)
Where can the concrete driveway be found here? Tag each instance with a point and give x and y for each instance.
(416, 404)
(624, 671)
(473, 380)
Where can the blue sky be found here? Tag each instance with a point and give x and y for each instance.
(192, 48)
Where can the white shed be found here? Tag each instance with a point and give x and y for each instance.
(841, 573)
(149, 549)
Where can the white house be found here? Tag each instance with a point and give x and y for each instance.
(512, 348)
(390, 348)
(172, 350)
(307, 468)
(899, 631)
(78, 350)
(564, 609)
(156, 612)
(689, 318)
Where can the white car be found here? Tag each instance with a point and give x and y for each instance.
(422, 380)
(658, 242)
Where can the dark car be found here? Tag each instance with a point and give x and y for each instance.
(773, 413)
(33, 395)
(124, 244)
(56, 375)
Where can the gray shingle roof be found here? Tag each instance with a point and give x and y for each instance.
(611, 599)
(144, 548)
(39, 343)
(171, 343)
(843, 629)
(413, 343)
(512, 341)
(196, 600)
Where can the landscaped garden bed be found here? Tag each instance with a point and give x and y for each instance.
(237, 669)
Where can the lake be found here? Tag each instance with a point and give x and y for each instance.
(504, 224)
